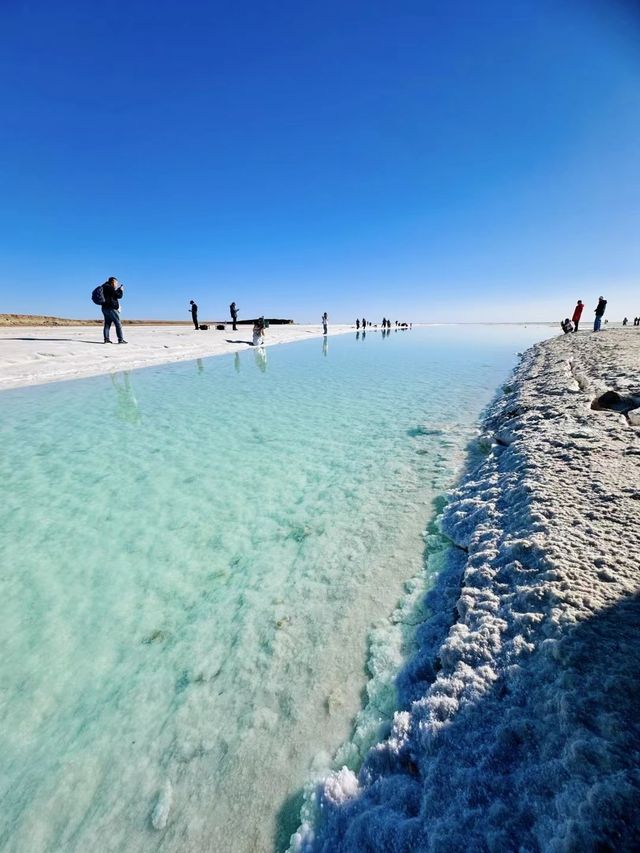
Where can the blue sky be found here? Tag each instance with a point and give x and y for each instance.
(421, 160)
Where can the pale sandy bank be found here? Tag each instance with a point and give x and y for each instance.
(34, 355)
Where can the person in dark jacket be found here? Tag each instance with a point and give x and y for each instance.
(599, 311)
(112, 291)
(233, 310)
(577, 313)
(194, 313)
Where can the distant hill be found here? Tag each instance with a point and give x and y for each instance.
(42, 320)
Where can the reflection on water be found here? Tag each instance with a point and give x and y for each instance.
(261, 358)
(127, 405)
(236, 362)
(325, 346)
(200, 365)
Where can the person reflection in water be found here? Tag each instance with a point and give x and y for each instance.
(236, 362)
(325, 346)
(261, 358)
(200, 365)
(127, 405)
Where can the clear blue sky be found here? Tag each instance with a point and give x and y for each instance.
(420, 160)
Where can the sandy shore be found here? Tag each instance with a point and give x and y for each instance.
(35, 355)
(518, 725)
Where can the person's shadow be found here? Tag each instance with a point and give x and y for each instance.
(250, 343)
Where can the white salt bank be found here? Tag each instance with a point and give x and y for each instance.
(518, 720)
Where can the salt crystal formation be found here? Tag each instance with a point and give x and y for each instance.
(522, 732)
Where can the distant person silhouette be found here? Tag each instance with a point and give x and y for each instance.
(364, 323)
(599, 312)
(194, 313)
(358, 324)
(625, 321)
(233, 310)
(577, 313)
(325, 320)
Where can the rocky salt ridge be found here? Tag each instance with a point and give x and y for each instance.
(520, 726)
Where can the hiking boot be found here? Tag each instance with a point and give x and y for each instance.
(123, 342)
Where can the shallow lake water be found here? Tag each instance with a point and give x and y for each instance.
(193, 559)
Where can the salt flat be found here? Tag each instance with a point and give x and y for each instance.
(517, 725)
(36, 354)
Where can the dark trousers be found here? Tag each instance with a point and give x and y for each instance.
(575, 325)
(234, 318)
(194, 317)
(111, 315)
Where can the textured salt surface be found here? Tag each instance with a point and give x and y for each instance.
(518, 727)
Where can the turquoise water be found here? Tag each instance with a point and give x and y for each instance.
(194, 557)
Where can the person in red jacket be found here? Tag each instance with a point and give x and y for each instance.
(577, 313)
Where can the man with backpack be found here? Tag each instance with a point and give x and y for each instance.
(111, 291)
(233, 310)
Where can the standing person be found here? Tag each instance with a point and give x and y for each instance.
(325, 320)
(258, 332)
(364, 323)
(577, 313)
(112, 291)
(233, 310)
(599, 312)
(194, 313)
(625, 321)
(358, 324)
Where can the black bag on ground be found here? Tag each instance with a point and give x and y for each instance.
(97, 295)
(203, 327)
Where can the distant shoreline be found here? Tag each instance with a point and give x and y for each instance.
(18, 320)
(38, 354)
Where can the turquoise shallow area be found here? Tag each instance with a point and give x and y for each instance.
(192, 559)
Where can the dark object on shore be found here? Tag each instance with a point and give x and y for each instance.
(203, 327)
(221, 327)
(614, 402)
(566, 326)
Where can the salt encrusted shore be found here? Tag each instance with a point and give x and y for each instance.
(520, 724)
(35, 355)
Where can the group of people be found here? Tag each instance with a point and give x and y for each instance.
(233, 310)
(571, 325)
(386, 324)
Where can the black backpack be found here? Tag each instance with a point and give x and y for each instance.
(97, 295)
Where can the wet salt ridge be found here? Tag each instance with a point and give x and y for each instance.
(517, 725)
(203, 566)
